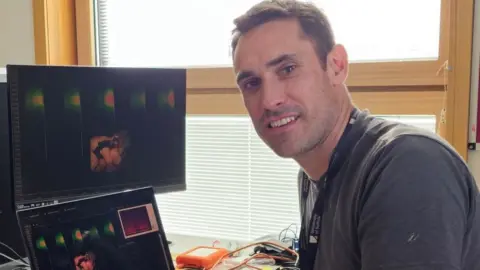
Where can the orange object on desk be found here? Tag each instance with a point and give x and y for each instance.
(202, 257)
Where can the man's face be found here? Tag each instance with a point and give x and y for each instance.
(290, 97)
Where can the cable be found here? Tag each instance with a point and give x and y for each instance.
(285, 231)
(258, 255)
(289, 229)
(13, 260)
(296, 228)
(14, 252)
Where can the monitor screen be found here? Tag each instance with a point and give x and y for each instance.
(78, 131)
(117, 231)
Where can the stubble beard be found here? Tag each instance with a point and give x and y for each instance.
(287, 146)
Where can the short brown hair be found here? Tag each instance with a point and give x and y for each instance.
(313, 21)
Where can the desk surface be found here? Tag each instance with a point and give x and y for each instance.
(16, 266)
(180, 244)
(13, 265)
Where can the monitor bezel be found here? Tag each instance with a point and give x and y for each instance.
(3, 80)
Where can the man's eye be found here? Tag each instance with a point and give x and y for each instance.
(251, 84)
(287, 69)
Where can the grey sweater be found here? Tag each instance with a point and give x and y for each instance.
(403, 199)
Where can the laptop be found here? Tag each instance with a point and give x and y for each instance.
(119, 230)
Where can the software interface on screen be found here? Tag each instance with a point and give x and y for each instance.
(84, 130)
(125, 237)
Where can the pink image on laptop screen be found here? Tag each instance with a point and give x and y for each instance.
(138, 220)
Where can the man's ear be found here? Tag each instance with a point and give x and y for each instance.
(337, 65)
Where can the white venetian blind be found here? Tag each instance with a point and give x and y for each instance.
(196, 33)
(237, 188)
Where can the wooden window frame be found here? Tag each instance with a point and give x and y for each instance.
(64, 35)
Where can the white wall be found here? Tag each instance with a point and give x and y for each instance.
(16, 32)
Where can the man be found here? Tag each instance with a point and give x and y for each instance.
(374, 194)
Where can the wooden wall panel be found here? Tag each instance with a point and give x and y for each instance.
(55, 32)
(459, 72)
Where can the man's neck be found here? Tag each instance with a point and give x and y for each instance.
(315, 162)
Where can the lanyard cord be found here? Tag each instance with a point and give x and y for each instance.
(309, 239)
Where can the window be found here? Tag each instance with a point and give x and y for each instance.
(193, 33)
(237, 188)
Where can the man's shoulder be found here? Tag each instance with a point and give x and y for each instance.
(405, 151)
(401, 147)
(406, 136)
(393, 138)
(415, 180)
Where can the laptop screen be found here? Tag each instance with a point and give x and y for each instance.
(116, 231)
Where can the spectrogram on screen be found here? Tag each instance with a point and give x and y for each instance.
(167, 99)
(137, 100)
(93, 232)
(41, 244)
(35, 99)
(72, 100)
(77, 235)
(59, 239)
(108, 229)
(107, 100)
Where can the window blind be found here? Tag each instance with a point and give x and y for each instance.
(237, 188)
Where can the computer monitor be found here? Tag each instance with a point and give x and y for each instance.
(80, 131)
(10, 232)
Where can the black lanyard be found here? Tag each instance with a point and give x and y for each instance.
(309, 241)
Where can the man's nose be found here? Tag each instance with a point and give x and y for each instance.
(273, 94)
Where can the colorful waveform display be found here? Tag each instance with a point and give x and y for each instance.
(108, 229)
(77, 235)
(41, 243)
(138, 100)
(60, 240)
(107, 100)
(72, 100)
(93, 232)
(167, 99)
(35, 99)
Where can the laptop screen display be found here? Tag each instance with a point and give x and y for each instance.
(97, 236)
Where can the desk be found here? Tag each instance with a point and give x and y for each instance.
(182, 243)
(14, 265)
